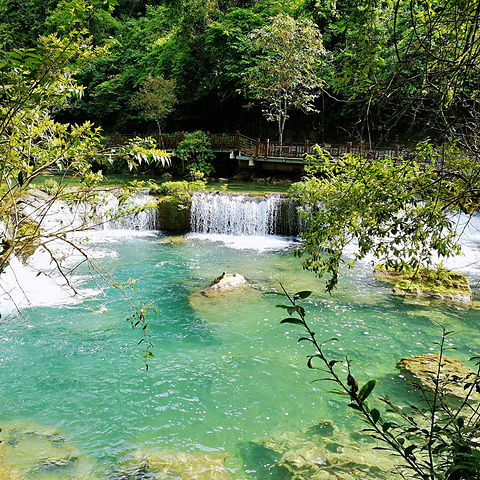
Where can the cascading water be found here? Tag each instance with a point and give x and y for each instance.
(243, 214)
(138, 213)
(21, 283)
(104, 211)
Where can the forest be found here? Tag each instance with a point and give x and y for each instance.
(384, 71)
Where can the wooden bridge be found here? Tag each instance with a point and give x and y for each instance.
(270, 155)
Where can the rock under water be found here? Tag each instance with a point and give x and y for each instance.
(172, 464)
(422, 372)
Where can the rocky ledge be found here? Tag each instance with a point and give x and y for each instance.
(427, 282)
(171, 464)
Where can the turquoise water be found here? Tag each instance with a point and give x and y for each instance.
(225, 372)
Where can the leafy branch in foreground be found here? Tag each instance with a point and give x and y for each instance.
(435, 441)
(401, 211)
(34, 84)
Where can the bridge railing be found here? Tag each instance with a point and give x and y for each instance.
(266, 149)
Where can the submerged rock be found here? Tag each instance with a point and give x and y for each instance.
(33, 451)
(320, 452)
(225, 284)
(427, 282)
(171, 464)
(422, 370)
(225, 291)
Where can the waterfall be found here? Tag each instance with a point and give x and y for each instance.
(105, 211)
(138, 213)
(243, 214)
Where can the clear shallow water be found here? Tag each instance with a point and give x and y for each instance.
(225, 372)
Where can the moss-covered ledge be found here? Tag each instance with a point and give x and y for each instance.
(439, 283)
(173, 215)
(174, 200)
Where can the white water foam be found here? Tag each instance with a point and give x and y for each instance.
(467, 263)
(256, 243)
(39, 282)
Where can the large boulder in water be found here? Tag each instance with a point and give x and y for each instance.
(319, 453)
(427, 282)
(227, 281)
(422, 372)
(227, 287)
(171, 464)
(173, 215)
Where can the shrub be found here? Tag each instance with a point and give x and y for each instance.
(195, 153)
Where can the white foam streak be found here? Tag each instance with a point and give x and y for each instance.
(248, 242)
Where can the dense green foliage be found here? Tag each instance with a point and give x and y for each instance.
(155, 99)
(391, 70)
(396, 210)
(36, 83)
(195, 153)
(285, 74)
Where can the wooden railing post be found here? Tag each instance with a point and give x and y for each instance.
(116, 138)
(267, 147)
(349, 148)
(237, 140)
(257, 148)
(159, 140)
(182, 137)
(305, 146)
(397, 151)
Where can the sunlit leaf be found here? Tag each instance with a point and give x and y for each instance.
(367, 389)
(303, 294)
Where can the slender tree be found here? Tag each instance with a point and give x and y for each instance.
(285, 75)
(155, 99)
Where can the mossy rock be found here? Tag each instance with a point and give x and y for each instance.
(33, 451)
(171, 464)
(173, 215)
(320, 452)
(421, 371)
(427, 282)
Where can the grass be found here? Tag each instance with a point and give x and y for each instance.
(118, 180)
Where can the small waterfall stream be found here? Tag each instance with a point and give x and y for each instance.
(103, 212)
(243, 214)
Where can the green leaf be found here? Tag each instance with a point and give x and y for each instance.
(303, 294)
(367, 389)
(295, 321)
(309, 362)
(300, 310)
(303, 339)
(375, 415)
(409, 450)
(355, 406)
(337, 392)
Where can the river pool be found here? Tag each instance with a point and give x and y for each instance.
(225, 373)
